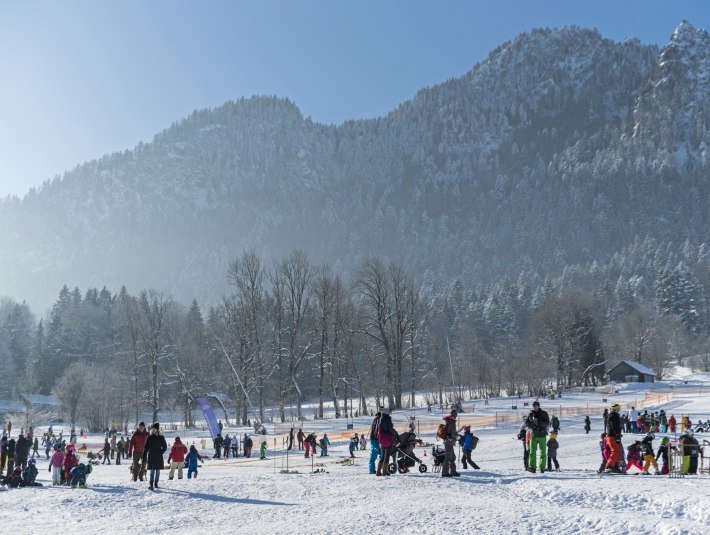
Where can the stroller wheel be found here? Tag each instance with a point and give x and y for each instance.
(393, 468)
(422, 468)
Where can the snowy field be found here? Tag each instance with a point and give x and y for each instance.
(251, 495)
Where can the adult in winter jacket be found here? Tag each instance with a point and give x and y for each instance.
(136, 446)
(106, 452)
(248, 445)
(613, 439)
(113, 445)
(218, 443)
(176, 459)
(449, 467)
(290, 440)
(690, 450)
(35, 448)
(587, 425)
(226, 445)
(22, 451)
(537, 422)
(155, 447)
(386, 436)
(374, 442)
(300, 436)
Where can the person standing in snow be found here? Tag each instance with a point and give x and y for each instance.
(613, 439)
(155, 447)
(290, 440)
(22, 451)
(649, 457)
(386, 437)
(192, 458)
(113, 445)
(35, 448)
(605, 417)
(537, 422)
(227, 444)
(106, 452)
(300, 436)
(324, 443)
(70, 462)
(467, 446)
(218, 441)
(672, 423)
(690, 450)
(176, 458)
(633, 416)
(374, 442)
(587, 425)
(56, 464)
(449, 438)
(262, 450)
(663, 454)
(552, 447)
(136, 446)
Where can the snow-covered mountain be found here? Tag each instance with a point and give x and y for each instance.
(561, 147)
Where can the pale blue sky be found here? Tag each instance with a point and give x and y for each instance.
(83, 78)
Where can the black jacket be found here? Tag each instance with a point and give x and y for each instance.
(614, 425)
(647, 447)
(22, 448)
(538, 422)
(155, 446)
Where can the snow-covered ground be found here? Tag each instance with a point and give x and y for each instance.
(253, 496)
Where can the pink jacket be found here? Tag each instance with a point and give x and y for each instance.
(57, 459)
(70, 461)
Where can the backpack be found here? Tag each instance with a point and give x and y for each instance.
(474, 442)
(441, 431)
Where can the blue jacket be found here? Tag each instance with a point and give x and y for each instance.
(192, 459)
(227, 441)
(467, 441)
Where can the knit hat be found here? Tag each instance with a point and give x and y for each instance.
(553, 436)
(142, 424)
(156, 425)
(536, 402)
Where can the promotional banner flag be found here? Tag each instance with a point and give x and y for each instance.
(209, 416)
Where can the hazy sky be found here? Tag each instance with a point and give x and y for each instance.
(79, 79)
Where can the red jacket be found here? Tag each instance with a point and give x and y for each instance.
(177, 452)
(137, 443)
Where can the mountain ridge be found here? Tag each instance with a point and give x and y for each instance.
(472, 171)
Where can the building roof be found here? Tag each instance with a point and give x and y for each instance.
(636, 366)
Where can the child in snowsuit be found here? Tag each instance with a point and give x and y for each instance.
(467, 445)
(633, 456)
(70, 462)
(56, 465)
(552, 447)
(191, 461)
(14, 478)
(30, 475)
(262, 450)
(78, 475)
(324, 443)
(649, 458)
(353, 442)
(605, 451)
(663, 453)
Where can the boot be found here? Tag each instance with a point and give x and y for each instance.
(151, 486)
(379, 468)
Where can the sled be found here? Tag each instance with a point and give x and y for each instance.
(347, 462)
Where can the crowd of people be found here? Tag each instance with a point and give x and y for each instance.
(145, 448)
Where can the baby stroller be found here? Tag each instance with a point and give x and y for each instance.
(403, 458)
(438, 454)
